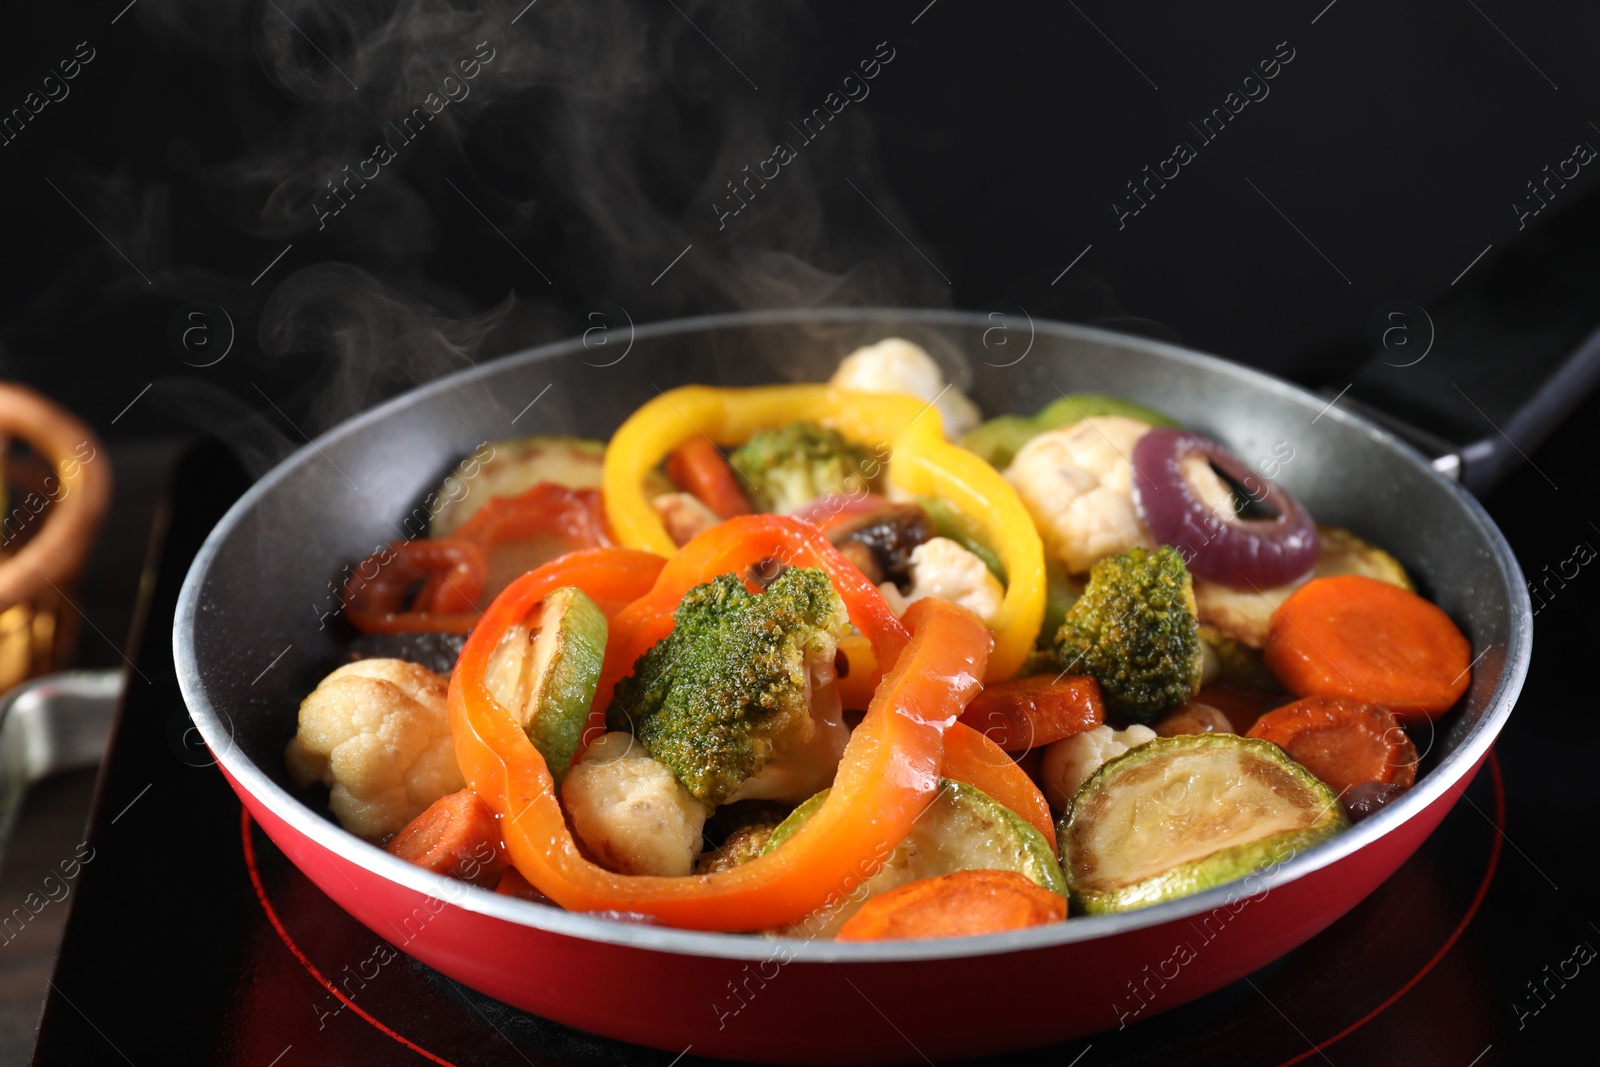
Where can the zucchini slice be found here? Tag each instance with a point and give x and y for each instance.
(998, 440)
(1178, 815)
(963, 829)
(1245, 614)
(514, 467)
(948, 521)
(546, 671)
(1061, 591)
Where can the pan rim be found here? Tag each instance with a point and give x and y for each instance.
(324, 833)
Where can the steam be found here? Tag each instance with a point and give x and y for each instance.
(374, 340)
(446, 180)
(583, 154)
(255, 441)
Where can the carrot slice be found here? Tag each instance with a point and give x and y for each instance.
(972, 758)
(1342, 741)
(698, 469)
(458, 836)
(1027, 712)
(959, 904)
(1362, 638)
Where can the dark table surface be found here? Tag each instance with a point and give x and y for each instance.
(52, 820)
(201, 942)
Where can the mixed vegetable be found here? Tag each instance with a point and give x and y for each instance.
(844, 661)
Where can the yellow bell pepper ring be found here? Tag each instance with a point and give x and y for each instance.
(921, 463)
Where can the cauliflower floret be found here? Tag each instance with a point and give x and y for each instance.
(800, 767)
(1077, 483)
(376, 732)
(941, 568)
(1068, 763)
(895, 365)
(631, 812)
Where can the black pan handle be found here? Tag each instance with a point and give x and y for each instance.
(1484, 374)
(1480, 463)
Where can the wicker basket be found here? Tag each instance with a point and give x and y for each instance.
(58, 484)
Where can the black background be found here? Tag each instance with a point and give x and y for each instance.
(1389, 154)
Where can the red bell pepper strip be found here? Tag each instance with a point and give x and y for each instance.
(575, 518)
(888, 775)
(612, 577)
(455, 571)
(576, 515)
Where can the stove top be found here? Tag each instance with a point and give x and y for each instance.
(192, 938)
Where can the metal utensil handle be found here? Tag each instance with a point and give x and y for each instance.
(56, 722)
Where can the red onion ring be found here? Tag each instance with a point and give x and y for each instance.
(1231, 551)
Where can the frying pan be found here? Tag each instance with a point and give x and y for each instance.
(257, 627)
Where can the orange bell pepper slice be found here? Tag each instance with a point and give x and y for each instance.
(888, 775)
(972, 758)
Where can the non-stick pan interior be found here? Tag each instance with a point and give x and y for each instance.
(268, 595)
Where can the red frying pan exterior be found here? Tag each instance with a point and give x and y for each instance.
(774, 1011)
(779, 1001)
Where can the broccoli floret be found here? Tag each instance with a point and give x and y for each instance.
(792, 466)
(717, 697)
(1135, 630)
